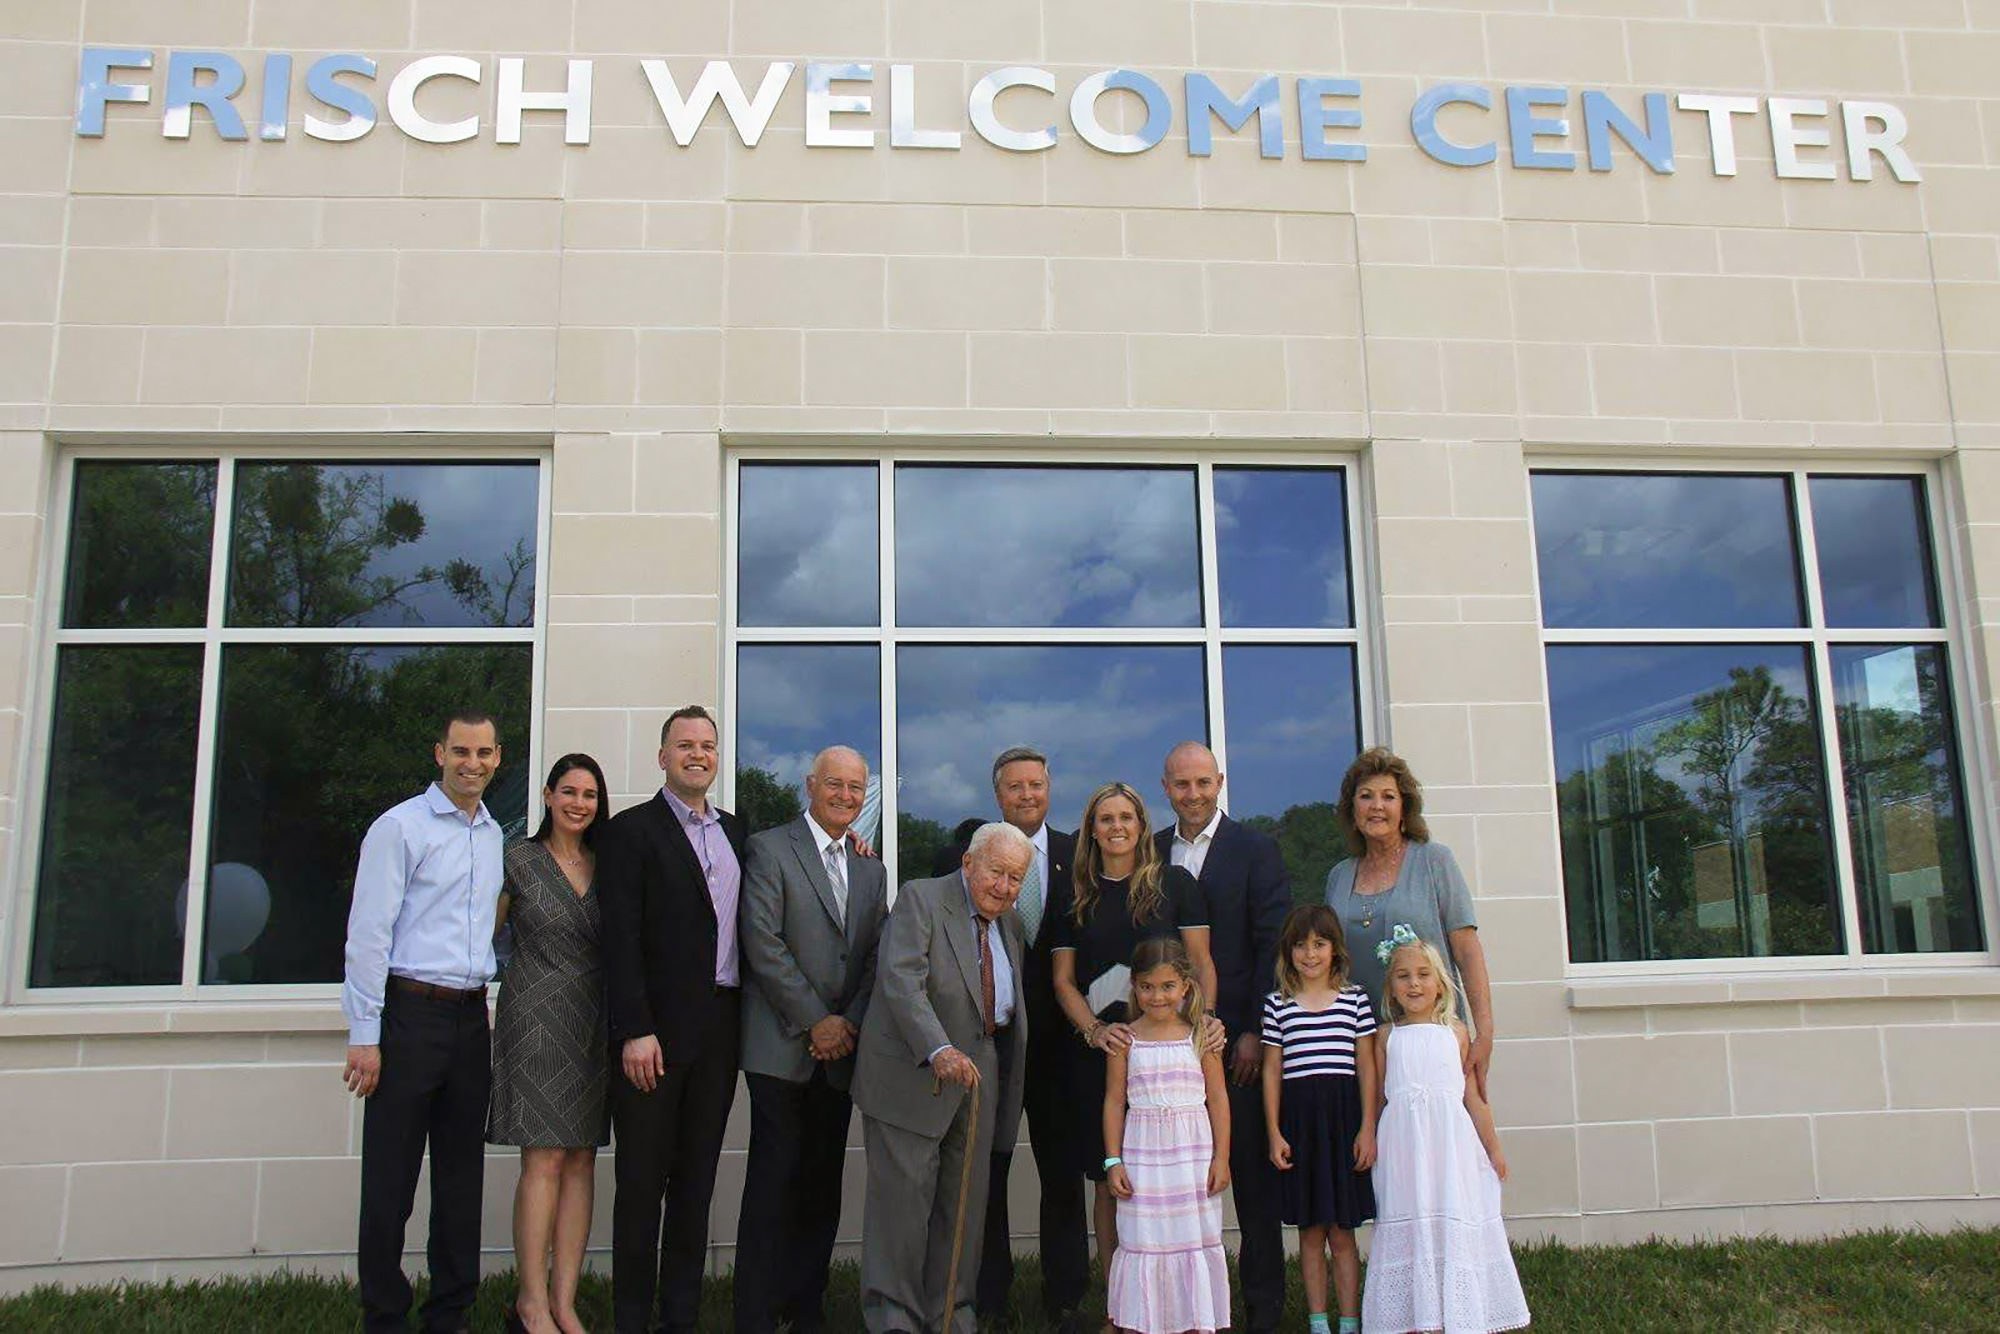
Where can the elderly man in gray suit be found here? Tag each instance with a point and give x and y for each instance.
(947, 1016)
(810, 920)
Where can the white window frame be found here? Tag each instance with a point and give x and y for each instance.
(1943, 511)
(31, 778)
(1210, 634)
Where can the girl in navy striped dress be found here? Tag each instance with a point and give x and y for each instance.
(1319, 1105)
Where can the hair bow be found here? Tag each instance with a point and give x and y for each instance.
(1400, 935)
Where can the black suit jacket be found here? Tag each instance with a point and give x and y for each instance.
(1046, 1026)
(659, 929)
(1249, 893)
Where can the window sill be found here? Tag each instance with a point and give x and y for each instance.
(1637, 993)
(56, 1021)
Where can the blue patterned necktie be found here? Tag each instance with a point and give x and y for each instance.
(1029, 905)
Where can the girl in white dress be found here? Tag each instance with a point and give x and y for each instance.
(1439, 1258)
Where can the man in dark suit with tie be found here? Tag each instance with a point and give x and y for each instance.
(669, 873)
(1021, 788)
(811, 919)
(1243, 876)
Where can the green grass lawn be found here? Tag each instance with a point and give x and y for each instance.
(1875, 1281)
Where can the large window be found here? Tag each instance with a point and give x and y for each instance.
(932, 613)
(250, 659)
(1751, 686)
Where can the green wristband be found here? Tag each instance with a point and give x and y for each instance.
(1112, 1162)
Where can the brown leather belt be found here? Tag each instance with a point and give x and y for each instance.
(432, 991)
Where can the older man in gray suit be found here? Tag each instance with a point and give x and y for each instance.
(810, 920)
(946, 1017)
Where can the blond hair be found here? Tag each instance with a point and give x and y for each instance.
(1445, 1011)
(1167, 951)
(1145, 894)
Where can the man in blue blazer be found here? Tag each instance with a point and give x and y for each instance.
(1243, 876)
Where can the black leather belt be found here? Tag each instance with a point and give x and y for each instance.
(432, 991)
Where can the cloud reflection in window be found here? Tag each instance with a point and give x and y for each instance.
(1100, 712)
(1058, 547)
(806, 545)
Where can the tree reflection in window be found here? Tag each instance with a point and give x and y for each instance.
(1694, 819)
(139, 543)
(1906, 815)
(316, 741)
(406, 544)
(115, 832)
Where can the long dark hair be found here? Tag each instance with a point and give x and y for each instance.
(1312, 919)
(561, 769)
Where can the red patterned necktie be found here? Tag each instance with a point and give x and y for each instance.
(985, 975)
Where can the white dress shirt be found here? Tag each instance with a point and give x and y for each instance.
(1190, 854)
(1003, 967)
(1040, 840)
(426, 887)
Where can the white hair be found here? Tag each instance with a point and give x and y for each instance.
(836, 753)
(1000, 839)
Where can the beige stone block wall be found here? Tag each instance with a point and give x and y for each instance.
(638, 308)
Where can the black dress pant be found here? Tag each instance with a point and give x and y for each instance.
(1260, 1262)
(667, 1144)
(1065, 1245)
(436, 1072)
(791, 1201)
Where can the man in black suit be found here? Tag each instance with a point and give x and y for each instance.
(1249, 893)
(669, 874)
(1021, 788)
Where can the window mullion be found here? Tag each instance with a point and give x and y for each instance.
(1834, 766)
(1211, 618)
(537, 625)
(1808, 549)
(732, 521)
(1364, 600)
(885, 657)
(206, 728)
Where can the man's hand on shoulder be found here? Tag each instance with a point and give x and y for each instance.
(363, 1070)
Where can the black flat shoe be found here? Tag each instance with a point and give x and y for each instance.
(516, 1325)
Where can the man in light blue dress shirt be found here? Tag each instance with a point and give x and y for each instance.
(419, 956)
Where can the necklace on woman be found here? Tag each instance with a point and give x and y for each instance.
(1368, 905)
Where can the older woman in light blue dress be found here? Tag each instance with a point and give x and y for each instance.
(1398, 875)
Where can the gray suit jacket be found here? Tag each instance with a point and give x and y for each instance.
(927, 996)
(800, 963)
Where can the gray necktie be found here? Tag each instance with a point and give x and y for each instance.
(1030, 903)
(836, 873)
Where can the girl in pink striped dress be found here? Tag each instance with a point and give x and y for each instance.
(1166, 1129)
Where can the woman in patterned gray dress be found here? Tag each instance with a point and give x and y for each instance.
(549, 1043)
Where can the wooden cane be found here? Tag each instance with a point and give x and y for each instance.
(958, 1226)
